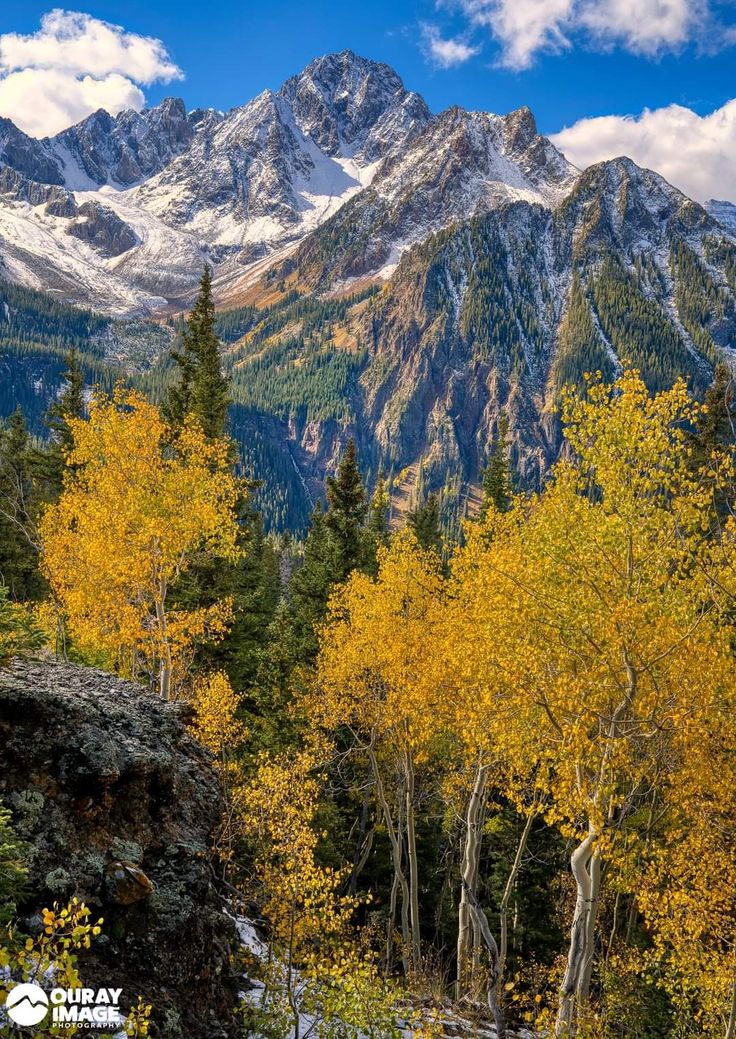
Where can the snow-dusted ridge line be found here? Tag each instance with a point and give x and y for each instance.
(237, 188)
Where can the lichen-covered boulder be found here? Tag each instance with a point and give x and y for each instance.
(118, 804)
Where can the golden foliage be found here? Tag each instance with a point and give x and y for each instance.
(139, 503)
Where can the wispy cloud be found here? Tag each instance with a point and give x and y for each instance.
(524, 28)
(73, 65)
(444, 53)
(695, 153)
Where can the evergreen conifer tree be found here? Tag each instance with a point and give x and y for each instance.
(18, 552)
(310, 588)
(202, 389)
(378, 510)
(346, 513)
(336, 544)
(716, 432)
(424, 521)
(376, 527)
(497, 473)
(51, 460)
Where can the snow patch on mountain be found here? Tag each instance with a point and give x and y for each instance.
(724, 213)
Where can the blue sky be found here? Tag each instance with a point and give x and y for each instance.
(569, 60)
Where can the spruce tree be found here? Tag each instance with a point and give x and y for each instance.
(50, 462)
(716, 432)
(378, 510)
(346, 512)
(336, 544)
(310, 588)
(253, 585)
(202, 389)
(18, 552)
(376, 527)
(424, 521)
(497, 489)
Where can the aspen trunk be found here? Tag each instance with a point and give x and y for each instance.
(470, 864)
(573, 987)
(411, 844)
(731, 1026)
(396, 859)
(510, 883)
(165, 666)
(480, 922)
(392, 924)
(363, 843)
(594, 870)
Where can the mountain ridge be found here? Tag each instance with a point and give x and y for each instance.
(415, 275)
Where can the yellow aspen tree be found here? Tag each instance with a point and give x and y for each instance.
(329, 982)
(485, 666)
(377, 675)
(139, 503)
(612, 554)
(301, 899)
(687, 887)
(609, 602)
(217, 726)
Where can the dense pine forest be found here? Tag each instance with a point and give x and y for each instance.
(489, 776)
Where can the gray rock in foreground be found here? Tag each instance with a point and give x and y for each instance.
(96, 774)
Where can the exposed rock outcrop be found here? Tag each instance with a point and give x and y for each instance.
(118, 804)
(103, 229)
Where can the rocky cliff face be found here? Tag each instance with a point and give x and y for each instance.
(118, 804)
(493, 313)
(125, 149)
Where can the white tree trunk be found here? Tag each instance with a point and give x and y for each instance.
(481, 923)
(165, 666)
(585, 866)
(397, 859)
(471, 860)
(411, 844)
(731, 1026)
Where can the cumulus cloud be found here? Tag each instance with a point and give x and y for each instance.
(73, 65)
(446, 52)
(695, 153)
(523, 28)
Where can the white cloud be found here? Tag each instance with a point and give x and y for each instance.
(446, 53)
(695, 153)
(73, 65)
(523, 28)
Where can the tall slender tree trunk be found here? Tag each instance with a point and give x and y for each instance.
(585, 866)
(396, 859)
(165, 665)
(731, 1026)
(393, 899)
(480, 922)
(411, 844)
(364, 841)
(594, 871)
(470, 864)
(506, 898)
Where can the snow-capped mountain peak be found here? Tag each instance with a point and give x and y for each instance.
(342, 163)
